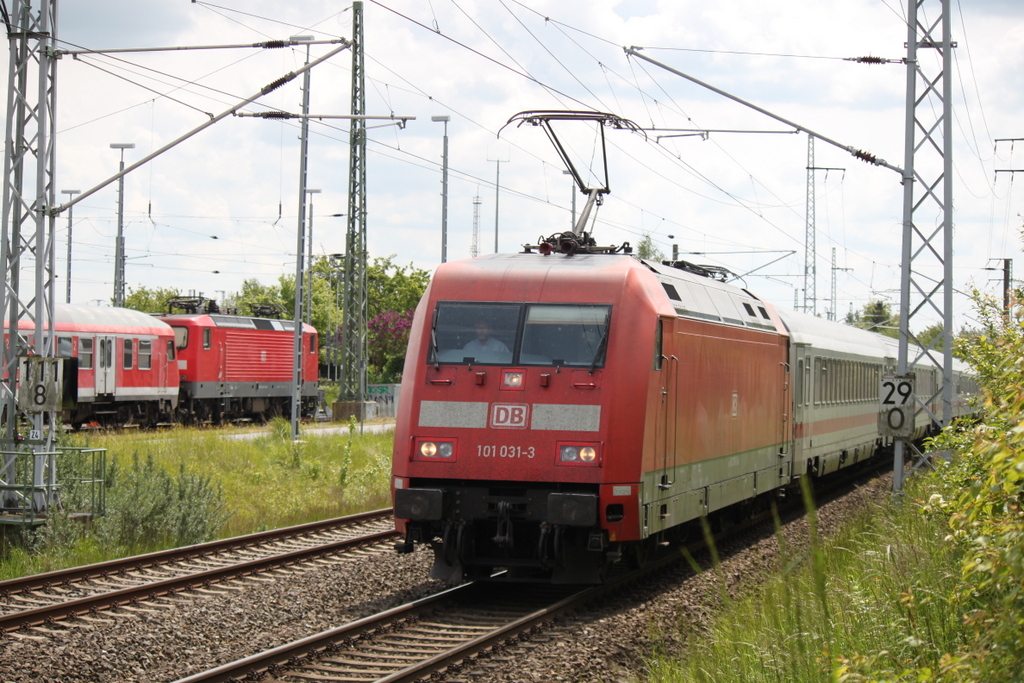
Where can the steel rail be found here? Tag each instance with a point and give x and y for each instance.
(133, 594)
(62, 577)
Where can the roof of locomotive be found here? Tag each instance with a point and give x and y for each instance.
(683, 293)
(242, 322)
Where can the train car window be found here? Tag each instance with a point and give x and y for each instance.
(170, 350)
(656, 365)
(312, 343)
(565, 334)
(126, 356)
(64, 347)
(206, 338)
(145, 354)
(181, 337)
(474, 333)
(85, 353)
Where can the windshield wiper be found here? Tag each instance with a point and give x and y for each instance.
(433, 341)
(604, 342)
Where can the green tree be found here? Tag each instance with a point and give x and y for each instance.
(150, 300)
(253, 293)
(391, 287)
(647, 249)
(876, 316)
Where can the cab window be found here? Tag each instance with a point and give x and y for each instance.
(181, 337)
(495, 333)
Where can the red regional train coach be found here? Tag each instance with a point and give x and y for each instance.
(553, 414)
(127, 372)
(240, 367)
(563, 411)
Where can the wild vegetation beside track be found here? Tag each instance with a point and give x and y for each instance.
(188, 486)
(928, 587)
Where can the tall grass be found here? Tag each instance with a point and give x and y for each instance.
(189, 486)
(873, 600)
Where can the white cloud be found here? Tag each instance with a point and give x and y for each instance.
(730, 193)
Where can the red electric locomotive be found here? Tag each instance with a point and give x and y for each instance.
(236, 367)
(561, 411)
(127, 373)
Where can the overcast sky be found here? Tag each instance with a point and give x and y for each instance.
(227, 199)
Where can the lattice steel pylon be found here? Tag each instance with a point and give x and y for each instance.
(353, 359)
(27, 244)
(810, 231)
(927, 261)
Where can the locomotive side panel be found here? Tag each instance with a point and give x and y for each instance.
(721, 423)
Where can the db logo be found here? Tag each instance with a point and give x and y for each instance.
(509, 415)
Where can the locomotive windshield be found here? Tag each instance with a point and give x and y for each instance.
(571, 335)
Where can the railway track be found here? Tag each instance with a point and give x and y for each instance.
(411, 641)
(446, 630)
(42, 600)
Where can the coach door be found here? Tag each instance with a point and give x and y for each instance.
(105, 371)
(668, 435)
(801, 383)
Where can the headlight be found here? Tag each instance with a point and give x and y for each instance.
(512, 379)
(434, 449)
(578, 454)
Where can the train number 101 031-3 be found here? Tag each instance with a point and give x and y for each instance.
(505, 451)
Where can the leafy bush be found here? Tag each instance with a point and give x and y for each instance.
(148, 508)
(982, 495)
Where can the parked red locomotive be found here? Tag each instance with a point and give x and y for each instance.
(237, 367)
(561, 411)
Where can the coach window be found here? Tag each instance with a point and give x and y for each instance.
(565, 334)
(145, 354)
(474, 333)
(206, 338)
(85, 353)
(127, 348)
(64, 347)
(312, 343)
(170, 350)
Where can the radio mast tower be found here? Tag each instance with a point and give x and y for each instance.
(474, 248)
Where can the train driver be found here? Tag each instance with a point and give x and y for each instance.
(484, 341)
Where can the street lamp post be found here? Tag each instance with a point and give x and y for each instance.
(119, 256)
(309, 257)
(300, 250)
(444, 187)
(70, 194)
